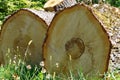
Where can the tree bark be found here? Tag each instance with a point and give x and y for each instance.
(57, 5)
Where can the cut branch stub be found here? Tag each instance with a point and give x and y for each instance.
(77, 41)
(57, 5)
(23, 34)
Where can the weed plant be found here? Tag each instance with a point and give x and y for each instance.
(18, 69)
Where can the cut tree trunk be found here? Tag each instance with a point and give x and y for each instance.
(76, 40)
(23, 34)
(57, 5)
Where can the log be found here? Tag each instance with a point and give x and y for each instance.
(23, 34)
(57, 5)
(76, 40)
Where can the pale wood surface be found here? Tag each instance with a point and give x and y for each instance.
(21, 28)
(77, 41)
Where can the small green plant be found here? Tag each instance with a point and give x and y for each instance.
(22, 71)
(16, 67)
(112, 75)
(19, 71)
(7, 7)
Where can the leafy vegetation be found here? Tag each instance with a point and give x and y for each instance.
(17, 69)
(22, 71)
(115, 3)
(9, 6)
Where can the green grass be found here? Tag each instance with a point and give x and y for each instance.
(22, 71)
(17, 69)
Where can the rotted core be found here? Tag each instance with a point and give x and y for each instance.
(75, 48)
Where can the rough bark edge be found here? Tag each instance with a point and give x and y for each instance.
(103, 28)
(101, 24)
(36, 13)
(60, 5)
(46, 16)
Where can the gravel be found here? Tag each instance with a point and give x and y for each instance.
(110, 17)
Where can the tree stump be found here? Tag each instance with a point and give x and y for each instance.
(76, 40)
(23, 34)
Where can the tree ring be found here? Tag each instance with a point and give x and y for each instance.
(75, 48)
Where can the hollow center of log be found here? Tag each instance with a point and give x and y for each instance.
(75, 48)
(21, 44)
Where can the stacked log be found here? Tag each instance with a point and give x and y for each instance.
(76, 40)
(68, 40)
(23, 34)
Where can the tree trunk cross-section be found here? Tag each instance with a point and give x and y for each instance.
(23, 34)
(76, 40)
